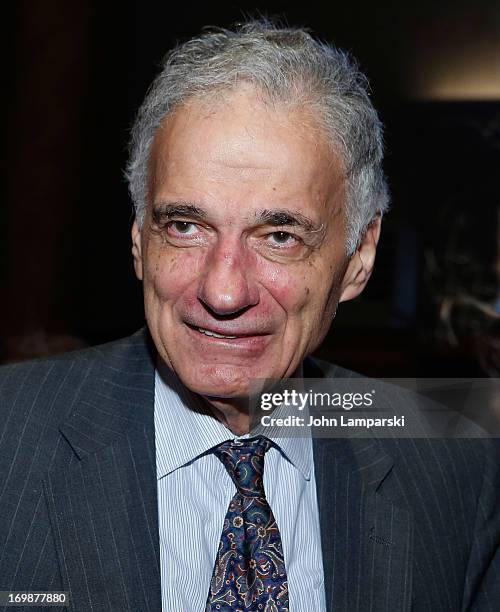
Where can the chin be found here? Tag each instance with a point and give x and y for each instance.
(218, 381)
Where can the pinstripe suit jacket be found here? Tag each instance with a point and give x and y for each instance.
(406, 525)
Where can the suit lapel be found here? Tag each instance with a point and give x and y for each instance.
(103, 506)
(366, 539)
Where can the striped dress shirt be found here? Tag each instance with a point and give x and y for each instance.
(194, 491)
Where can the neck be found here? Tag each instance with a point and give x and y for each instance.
(234, 414)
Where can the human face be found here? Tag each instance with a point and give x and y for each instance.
(242, 251)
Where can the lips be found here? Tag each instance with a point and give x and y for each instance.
(213, 334)
(231, 329)
(225, 333)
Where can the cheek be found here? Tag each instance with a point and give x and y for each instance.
(169, 271)
(307, 292)
(291, 286)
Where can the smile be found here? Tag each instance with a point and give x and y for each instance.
(233, 337)
(214, 334)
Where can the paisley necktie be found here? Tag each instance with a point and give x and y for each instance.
(249, 571)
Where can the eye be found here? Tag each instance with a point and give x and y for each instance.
(182, 227)
(282, 239)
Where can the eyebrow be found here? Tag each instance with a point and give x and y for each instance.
(286, 217)
(170, 210)
(277, 217)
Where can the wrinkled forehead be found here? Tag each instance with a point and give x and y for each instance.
(246, 141)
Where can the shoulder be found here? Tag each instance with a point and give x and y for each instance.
(30, 380)
(37, 396)
(42, 372)
(432, 452)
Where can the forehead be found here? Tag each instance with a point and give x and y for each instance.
(244, 146)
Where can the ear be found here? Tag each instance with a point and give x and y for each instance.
(361, 264)
(137, 249)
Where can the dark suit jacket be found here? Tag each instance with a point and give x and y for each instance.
(406, 524)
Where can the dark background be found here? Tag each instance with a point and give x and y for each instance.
(77, 72)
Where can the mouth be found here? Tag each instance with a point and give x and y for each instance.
(224, 334)
(213, 334)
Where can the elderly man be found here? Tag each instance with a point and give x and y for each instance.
(129, 477)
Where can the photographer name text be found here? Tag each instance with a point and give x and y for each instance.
(324, 421)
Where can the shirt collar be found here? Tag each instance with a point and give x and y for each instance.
(185, 428)
(296, 445)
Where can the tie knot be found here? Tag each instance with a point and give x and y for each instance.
(244, 461)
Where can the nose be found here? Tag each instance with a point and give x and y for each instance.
(227, 286)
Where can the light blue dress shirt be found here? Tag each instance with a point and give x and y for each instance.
(194, 491)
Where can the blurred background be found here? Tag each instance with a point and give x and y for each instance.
(76, 74)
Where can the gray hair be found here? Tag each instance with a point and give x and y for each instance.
(288, 66)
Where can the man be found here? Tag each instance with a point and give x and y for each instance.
(129, 478)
